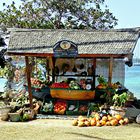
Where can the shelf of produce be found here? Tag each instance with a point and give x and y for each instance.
(70, 94)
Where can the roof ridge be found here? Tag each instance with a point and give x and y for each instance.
(136, 29)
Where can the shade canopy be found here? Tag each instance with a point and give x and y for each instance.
(118, 42)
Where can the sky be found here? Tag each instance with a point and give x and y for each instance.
(126, 11)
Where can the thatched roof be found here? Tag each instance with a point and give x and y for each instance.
(89, 42)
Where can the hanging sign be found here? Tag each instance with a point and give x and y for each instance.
(65, 48)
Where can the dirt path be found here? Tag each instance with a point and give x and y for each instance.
(51, 129)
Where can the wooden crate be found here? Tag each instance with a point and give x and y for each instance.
(72, 94)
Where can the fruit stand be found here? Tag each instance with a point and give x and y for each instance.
(71, 62)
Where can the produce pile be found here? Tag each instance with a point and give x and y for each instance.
(100, 120)
(71, 85)
(36, 83)
(60, 107)
(64, 107)
(60, 85)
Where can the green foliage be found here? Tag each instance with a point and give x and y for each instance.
(120, 100)
(6, 72)
(56, 14)
(102, 80)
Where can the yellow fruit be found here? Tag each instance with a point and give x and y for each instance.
(126, 121)
(81, 124)
(97, 118)
(96, 115)
(93, 122)
(103, 122)
(118, 117)
(104, 118)
(109, 118)
(98, 124)
(121, 122)
(87, 123)
(80, 117)
(108, 123)
(114, 122)
(75, 122)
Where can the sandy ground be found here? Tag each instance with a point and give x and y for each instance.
(52, 129)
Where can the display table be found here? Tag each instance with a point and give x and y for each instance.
(69, 94)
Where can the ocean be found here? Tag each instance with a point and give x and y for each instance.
(132, 80)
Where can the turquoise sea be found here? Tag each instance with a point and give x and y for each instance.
(132, 80)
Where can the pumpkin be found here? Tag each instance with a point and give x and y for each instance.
(118, 117)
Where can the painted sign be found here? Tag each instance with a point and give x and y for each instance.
(65, 48)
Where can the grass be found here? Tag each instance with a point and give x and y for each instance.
(48, 129)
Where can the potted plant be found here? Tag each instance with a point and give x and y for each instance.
(119, 103)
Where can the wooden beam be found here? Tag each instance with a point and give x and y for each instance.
(110, 70)
(79, 55)
(28, 75)
(94, 73)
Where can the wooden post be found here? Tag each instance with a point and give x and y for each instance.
(53, 70)
(110, 70)
(94, 73)
(28, 75)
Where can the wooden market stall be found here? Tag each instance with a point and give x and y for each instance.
(73, 44)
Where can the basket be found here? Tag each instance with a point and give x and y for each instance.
(4, 110)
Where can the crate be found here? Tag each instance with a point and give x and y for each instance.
(42, 109)
(77, 104)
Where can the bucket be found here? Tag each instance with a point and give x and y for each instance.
(14, 117)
